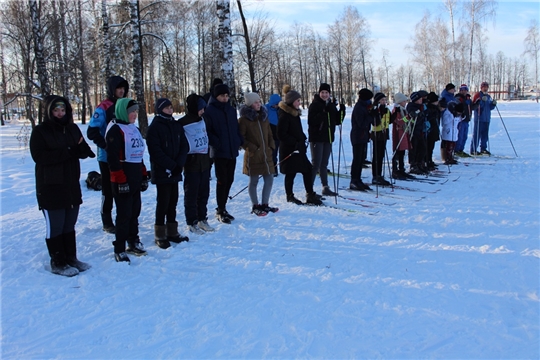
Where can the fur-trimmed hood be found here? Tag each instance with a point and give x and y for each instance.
(249, 113)
(289, 109)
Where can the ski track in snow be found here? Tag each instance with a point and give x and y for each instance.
(449, 274)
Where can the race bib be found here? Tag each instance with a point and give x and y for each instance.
(134, 142)
(197, 137)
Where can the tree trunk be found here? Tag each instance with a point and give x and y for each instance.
(249, 55)
(38, 49)
(106, 45)
(225, 40)
(138, 71)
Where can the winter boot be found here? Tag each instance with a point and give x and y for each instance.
(122, 257)
(70, 248)
(59, 265)
(398, 175)
(160, 236)
(379, 180)
(292, 199)
(311, 199)
(269, 209)
(135, 247)
(173, 235)
(220, 215)
(203, 224)
(327, 192)
(108, 225)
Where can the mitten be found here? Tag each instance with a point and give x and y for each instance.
(494, 102)
(144, 185)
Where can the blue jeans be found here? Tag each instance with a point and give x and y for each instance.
(480, 131)
(463, 132)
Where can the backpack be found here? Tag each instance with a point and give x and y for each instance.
(93, 181)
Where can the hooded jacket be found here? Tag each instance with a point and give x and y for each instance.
(272, 109)
(483, 109)
(361, 120)
(167, 147)
(104, 114)
(291, 137)
(55, 148)
(323, 117)
(258, 141)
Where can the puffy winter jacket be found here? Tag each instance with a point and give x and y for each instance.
(361, 120)
(222, 129)
(485, 105)
(258, 141)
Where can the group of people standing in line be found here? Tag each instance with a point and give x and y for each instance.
(417, 123)
(211, 134)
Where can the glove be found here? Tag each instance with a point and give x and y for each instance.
(494, 102)
(123, 188)
(91, 154)
(73, 151)
(176, 171)
(144, 185)
(484, 98)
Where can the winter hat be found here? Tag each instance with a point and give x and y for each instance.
(286, 88)
(464, 87)
(415, 96)
(161, 104)
(132, 106)
(291, 97)
(59, 104)
(484, 83)
(422, 93)
(251, 97)
(442, 103)
(216, 81)
(221, 89)
(432, 97)
(378, 97)
(399, 98)
(365, 94)
(324, 86)
(450, 86)
(194, 103)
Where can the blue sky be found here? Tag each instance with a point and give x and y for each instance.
(392, 23)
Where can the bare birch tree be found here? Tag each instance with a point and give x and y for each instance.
(225, 40)
(532, 47)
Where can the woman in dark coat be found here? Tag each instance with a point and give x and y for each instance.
(168, 149)
(361, 120)
(292, 149)
(56, 145)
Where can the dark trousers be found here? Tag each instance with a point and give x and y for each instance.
(430, 146)
(60, 221)
(196, 194)
(106, 192)
(128, 209)
(167, 199)
(289, 182)
(417, 153)
(225, 177)
(379, 148)
(398, 161)
(359, 155)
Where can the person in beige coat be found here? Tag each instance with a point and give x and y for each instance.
(258, 145)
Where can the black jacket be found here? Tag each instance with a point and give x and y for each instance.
(361, 120)
(322, 120)
(55, 148)
(434, 118)
(418, 115)
(222, 129)
(291, 137)
(167, 147)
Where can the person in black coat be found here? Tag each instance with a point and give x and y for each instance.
(197, 167)
(225, 140)
(417, 153)
(361, 120)
(433, 135)
(125, 151)
(168, 149)
(292, 150)
(323, 116)
(56, 145)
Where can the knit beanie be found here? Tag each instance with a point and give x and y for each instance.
(323, 87)
(195, 103)
(415, 96)
(378, 97)
(399, 98)
(161, 104)
(432, 97)
(484, 83)
(442, 103)
(464, 87)
(365, 94)
(251, 97)
(216, 81)
(291, 97)
(132, 106)
(450, 86)
(221, 89)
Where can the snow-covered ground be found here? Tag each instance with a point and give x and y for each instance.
(448, 269)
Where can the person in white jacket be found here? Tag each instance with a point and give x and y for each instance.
(449, 134)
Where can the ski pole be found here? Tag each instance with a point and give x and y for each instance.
(506, 131)
(279, 163)
(332, 156)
